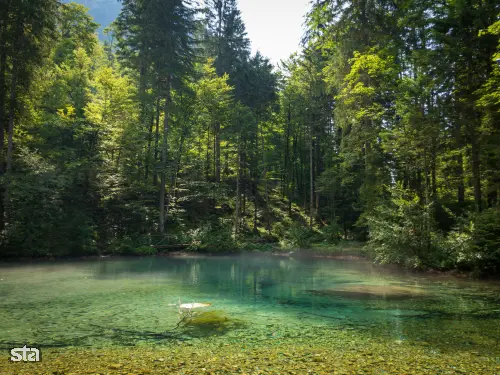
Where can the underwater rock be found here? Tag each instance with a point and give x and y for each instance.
(367, 291)
(214, 319)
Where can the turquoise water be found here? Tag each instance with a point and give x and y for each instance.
(124, 302)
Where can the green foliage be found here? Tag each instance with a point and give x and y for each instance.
(342, 248)
(457, 246)
(332, 233)
(109, 144)
(402, 231)
(77, 30)
(486, 241)
(145, 250)
(260, 247)
(213, 237)
(300, 236)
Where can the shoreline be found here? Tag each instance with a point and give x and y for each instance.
(351, 255)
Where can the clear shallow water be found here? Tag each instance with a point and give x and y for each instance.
(127, 302)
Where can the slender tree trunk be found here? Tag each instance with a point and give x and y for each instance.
(459, 169)
(318, 170)
(163, 181)
(148, 154)
(266, 186)
(245, 179)
(142, 89)
(294, 176)
(173, 190)
(226, 163)
(3, 66)
(254, 193)
(316, 208)
(217, 152)
(287, 153)
(476, 173)
(207, 165)
(12, 114)
(157, 140)
(220, 11)
(238, 194)
(460, 177)
(302, 182)
(10, 140)
(433, 175)
(255, 179)
(311, 181)
(255, 203)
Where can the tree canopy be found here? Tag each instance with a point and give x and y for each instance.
(384, 129)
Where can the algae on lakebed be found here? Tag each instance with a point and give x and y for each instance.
(209, 323)
(345, 354)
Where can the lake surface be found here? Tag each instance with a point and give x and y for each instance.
(134, 302)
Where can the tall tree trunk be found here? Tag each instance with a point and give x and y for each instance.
(220, 11)
(311, 181)
(255, 203)
(245, 179)
(172, 191)
(254, 193)
(476, 173)
(12, 114)
(157, 140)
(294, 176)
(266, 186)
(164, 152)
(148, 153)
(207, 162)
(286, 177)
(3, 66)
(238, 194)
(217, 152)
(142, 89)
(255, 175)
(460, 177)
(303, 183)
(433, 173)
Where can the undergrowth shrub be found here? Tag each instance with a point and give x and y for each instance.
(300, 236)
(145, 250)
(332, 233)
(486, 241)
(214, 236)
(402, 231)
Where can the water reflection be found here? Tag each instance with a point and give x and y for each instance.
(112, 301)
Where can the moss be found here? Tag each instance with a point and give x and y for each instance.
(211, 320)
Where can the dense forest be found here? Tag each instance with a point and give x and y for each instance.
(384, 129)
